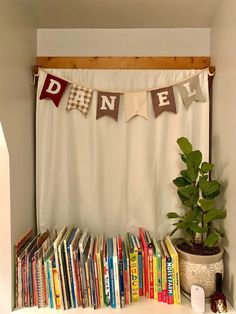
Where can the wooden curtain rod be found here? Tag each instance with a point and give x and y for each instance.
(123, 63)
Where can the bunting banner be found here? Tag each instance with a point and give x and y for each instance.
(80, 98)
(108, 105)
(136, 105)
(163, 100)
(190, 90)
(53, 89)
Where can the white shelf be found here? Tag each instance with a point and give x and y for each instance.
(142, 307)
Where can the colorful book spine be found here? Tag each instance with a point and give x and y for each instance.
(56, 285)
(128, 299)
(164, 276)
(96, 275)
(121, 270)
(111, 273)
(155, 277)
(20, 282)
(40, 280)
(159, 276)
(116, 274)
(19, 248)
(91, 273)
(106, 274)
(100, 273)
(175, 270)
(150, 266)
(34, 280)
(49, 284)
(83, 244)
(133, 254)
(145, 262)
(88, 284)
(140, 265)
(64, 279)
(77, 277)
(58, 267)
(125, 274)
(67, 243)
(170, 294)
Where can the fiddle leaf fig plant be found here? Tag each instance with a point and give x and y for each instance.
(197, 193)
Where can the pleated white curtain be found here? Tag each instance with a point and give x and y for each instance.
(113, 176)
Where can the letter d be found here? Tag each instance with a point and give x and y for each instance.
(54, 87)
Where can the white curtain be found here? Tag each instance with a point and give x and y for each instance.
(113, 176)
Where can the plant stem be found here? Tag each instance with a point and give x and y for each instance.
(202, 238)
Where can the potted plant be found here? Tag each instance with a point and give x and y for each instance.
(200, 255)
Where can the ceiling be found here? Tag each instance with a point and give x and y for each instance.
(121, 13)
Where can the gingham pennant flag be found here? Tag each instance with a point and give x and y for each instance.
(80, 98)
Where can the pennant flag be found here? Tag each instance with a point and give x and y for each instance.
(136, 105)
(108, 105)
(53, 88)
(80, 98)
(190, 90)
(163, 100)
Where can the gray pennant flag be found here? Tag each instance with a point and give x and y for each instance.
(190, 90)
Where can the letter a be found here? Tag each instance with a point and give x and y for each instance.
(79, 97)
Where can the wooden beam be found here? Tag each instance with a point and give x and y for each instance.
(123, 62)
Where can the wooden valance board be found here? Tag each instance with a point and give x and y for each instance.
(140, 63)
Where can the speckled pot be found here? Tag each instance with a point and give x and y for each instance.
(199, 270)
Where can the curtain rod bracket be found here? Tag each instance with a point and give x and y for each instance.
(35, 73)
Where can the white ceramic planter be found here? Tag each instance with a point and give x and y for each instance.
(199, 270)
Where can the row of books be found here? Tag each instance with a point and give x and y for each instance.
(76, 268)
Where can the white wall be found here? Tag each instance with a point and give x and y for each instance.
(124, 42)
(5, 241)
(223, 51)
(17, 55)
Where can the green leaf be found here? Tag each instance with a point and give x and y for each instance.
(206, 205)
(206, 167)
(197, 213)
(185, 145)
(192, 173)
(189, 217)
(194, 159)
(214, 214)
(184, 173)
(210, 189)
(196, 228)
(173, 215)
(189, 195)
(188, 190)
(212, 239)
(180, 181)
(183, 157)
(181, 225)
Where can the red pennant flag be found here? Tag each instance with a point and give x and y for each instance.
(108, 105)
(53, 88)
(163, 100)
